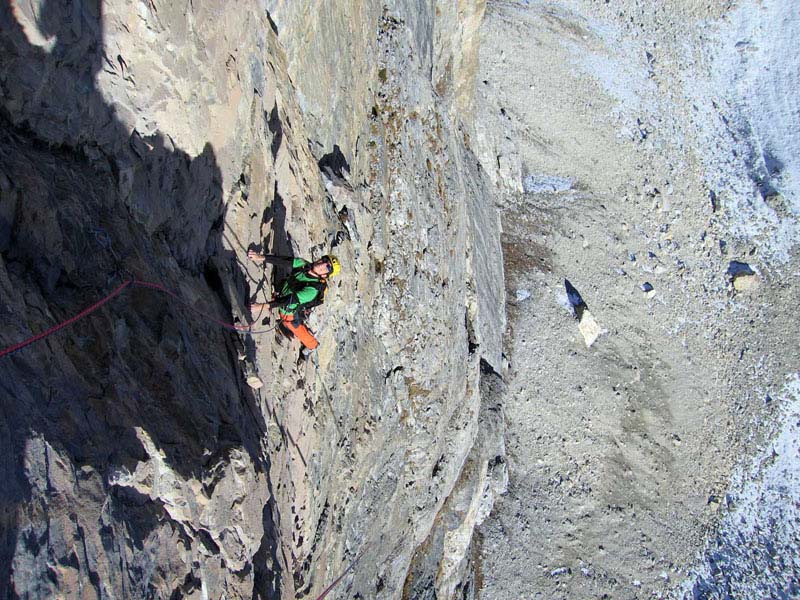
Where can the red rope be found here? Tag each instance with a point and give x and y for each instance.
(116, 292)
(69, 321)
(161, 288)
(336, 581)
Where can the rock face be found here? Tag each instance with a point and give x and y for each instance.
(172, 444)
(158, 142)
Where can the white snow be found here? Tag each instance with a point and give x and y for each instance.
(752, 136)
(765, 520)
(536, 184)
(617, 62)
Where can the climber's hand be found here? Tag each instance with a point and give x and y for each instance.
(256, 257)
(256, 309)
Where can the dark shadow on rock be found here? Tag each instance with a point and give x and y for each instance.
(335, 161)
(85, 205)
(280, 240)
(276, 129)
(267, 581)
(575, 300)
(737, 268)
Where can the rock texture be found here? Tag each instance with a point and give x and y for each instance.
(149, 451)
(160, 142)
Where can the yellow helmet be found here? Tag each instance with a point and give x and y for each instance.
(334, 263)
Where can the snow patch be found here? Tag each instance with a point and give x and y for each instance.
(613, 66)
(751, 102)
(536, 184)
(756, 553)
(564, 302)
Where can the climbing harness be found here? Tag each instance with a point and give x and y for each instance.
(132, 282)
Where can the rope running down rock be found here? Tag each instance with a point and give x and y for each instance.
(244, 329)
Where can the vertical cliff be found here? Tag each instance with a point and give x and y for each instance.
(385, 434)
(150, 452)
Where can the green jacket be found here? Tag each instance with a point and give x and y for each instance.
(300, 291)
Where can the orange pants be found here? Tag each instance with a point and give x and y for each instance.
(301, 332)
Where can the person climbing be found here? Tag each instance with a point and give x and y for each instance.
(301, 291)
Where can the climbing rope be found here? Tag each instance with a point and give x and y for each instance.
(162, 289)
(243, 329)
(16, 347)
(336, 581)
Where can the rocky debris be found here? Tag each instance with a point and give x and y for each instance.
(777, 202)
(589, 328)
(744, 283)
(616, 451)
(255, 382)
(575, 299)
(587, 324)
(714, 199)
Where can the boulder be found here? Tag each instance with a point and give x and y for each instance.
(742, 276)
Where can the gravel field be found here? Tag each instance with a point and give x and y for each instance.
(647, 155)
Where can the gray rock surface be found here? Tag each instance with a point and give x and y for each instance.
(645, 448)
(162, 141)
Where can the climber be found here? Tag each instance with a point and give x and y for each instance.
(299, 293)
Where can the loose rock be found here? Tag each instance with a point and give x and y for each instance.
(648, 290)
(742, 275)
(254, 382)
(589, 328)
